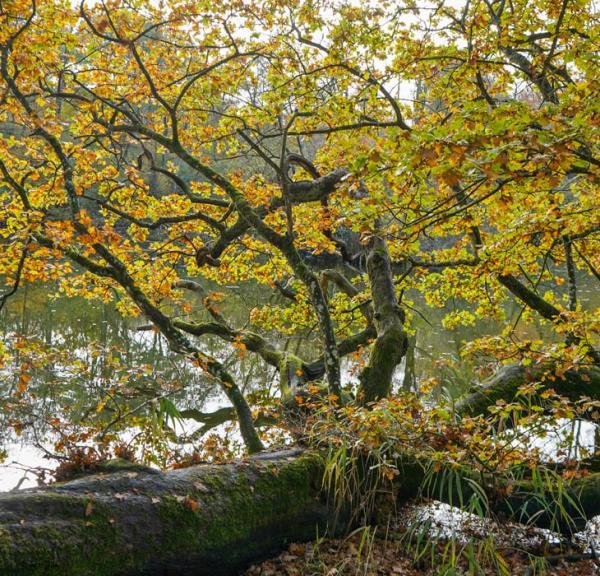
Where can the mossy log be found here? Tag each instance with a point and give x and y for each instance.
(203, 520)
(216, 519)
(506, 382)
(564, 508)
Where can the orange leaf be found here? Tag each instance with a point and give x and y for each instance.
(191, 504)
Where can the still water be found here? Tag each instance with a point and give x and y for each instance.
(89, 350)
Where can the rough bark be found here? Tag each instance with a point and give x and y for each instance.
(204, 520)
(391, 342)
(505, 384)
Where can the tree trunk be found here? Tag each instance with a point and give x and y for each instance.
(202, 520)
(391, 342)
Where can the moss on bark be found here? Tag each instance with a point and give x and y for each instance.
(202, 520)
(391, 342)
(505, 384)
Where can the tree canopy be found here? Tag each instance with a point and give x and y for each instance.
(348, 158)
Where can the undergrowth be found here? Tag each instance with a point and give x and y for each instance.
(402, 449)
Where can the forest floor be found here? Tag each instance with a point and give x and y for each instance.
(396, 551)
(385, 558)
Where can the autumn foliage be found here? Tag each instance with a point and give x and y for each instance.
(357, 162)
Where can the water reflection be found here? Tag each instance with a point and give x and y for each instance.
(82, 355)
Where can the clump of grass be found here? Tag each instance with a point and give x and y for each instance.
(482, 465)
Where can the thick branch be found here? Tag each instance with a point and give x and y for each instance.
(529, 297)
(573, 384)
(315, 190)
(542, 307)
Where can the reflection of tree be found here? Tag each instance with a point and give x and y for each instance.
(85, 353)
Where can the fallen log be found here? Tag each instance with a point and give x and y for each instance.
(556, 504)
(202, 520)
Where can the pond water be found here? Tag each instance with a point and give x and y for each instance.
(90, 348)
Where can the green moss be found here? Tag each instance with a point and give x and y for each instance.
(82, 543)
(387, 351)
(121, 465)
(236, 525)
(243, 512)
